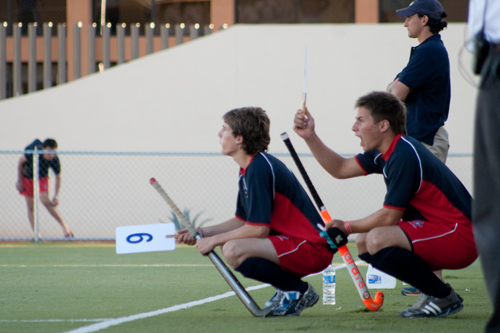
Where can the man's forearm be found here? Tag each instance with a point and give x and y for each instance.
(326, 157)
(223, 227)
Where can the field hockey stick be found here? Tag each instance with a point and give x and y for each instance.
(233, 282)
(371, 304)
(304, 90)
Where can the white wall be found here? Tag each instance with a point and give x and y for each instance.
(173, 100)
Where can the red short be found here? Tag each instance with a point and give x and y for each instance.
(299, 256)
(28, 186)
(442, 246)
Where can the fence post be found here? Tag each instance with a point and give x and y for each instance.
(91, 47)
(17, 79)
(106, 33)
(207, 29)
(120, 43)
(165, 34)
(77, 57)
(194, 31)
(134, 35)
(47, 55)
(32, 84)
(3, 60)
(61, 60)
(150, 29)
(179, 33)
(36, 187)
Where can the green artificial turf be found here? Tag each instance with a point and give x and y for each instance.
(62, 287)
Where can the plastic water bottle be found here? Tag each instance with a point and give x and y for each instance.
(329, 286)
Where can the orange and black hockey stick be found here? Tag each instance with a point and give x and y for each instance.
(372, 304)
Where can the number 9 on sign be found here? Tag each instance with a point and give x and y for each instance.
(139, 238)
(145, 238)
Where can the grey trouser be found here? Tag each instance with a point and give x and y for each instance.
(486, 207)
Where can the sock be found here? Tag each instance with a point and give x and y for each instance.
(408, 267)
(266, 271)
(366, 257)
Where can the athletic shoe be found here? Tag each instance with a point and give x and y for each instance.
(420, 301)
(435, 307)
(459, 297)
(410, 291)
(276, 299)
(294, 303)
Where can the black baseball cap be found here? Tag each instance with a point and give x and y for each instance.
(431, 8)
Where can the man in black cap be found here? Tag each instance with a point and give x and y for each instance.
(424, 84)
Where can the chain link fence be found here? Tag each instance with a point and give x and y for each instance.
(104, 190)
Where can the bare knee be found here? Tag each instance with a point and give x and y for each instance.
(233, 254)
(375, 241)
(361, 243)
(46, 201)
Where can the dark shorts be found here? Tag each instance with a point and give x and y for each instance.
(28, 186)
(442, 246)
(299, 256)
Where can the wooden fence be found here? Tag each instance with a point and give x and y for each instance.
(33, 62)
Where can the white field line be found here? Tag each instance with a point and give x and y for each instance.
(104, 323)
(107, 265)
(118, 321)
(52, 320)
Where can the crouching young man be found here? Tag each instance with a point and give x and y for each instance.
(425, 222)
(274, 235)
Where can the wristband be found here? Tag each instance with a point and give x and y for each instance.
(201, 233)
(347, 227)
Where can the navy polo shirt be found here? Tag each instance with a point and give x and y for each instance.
(418, 183)
(427, 74)
(270, 195)
(44, 165)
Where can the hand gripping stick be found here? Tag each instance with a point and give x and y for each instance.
(371, 304)
(233, 282)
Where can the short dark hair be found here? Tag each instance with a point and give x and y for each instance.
(385, 106)
(50, 143)
(253, 124)
(435, 25)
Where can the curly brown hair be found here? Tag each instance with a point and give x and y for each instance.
(253, 124)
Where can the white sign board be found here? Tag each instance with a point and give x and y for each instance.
(145, 238)
(376, 279)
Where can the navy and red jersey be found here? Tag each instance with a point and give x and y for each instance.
(270, 195)
(418, 183)
(43, 166)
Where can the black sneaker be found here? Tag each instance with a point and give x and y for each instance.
(430, 306)
(293, 303)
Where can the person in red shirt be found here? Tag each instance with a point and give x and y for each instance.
(47, 160)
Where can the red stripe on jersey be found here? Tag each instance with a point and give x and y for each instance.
(360, 165)
(286, 219)
(391, 148)
(394, 207)
(435, 207)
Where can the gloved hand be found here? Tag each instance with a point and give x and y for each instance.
(335, 237)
